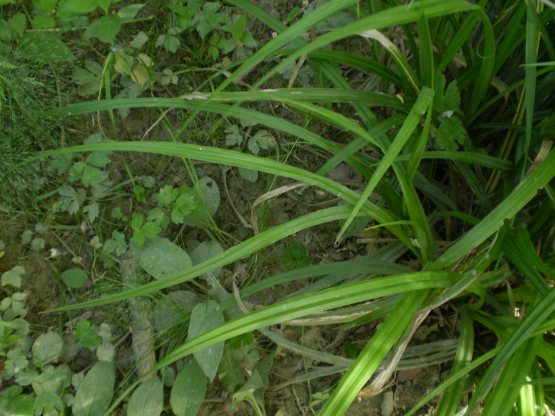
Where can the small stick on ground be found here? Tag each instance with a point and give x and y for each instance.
(140, 311)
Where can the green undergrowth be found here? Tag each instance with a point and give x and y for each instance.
(239, 185)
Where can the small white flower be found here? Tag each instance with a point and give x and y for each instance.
(447, 114)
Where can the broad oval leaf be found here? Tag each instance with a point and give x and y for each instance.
(211, 193)
(95, 391)
(206, 316)
(130, 12)
(48, 347)
(205, 251)
(148, 399)
(159, 257)
(188, 390)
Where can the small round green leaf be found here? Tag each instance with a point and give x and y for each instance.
(75, 278)
(248, 174)
(13, 277)
(106, 352)
(92, 176)
(104, 29)
(87, 335)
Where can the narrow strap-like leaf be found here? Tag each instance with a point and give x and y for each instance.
(405, 133)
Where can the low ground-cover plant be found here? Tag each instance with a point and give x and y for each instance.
(35, 370)
(443, 108)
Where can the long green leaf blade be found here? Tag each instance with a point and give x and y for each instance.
(311, 303)
(390, 17)
(225, 110)
(288, 35)
(368, 361)
(532, 43)
(405, 133)
(452, 395)
(236, 159)
(500, 401)
(526, 329)
(454, 378)
(523, 193)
